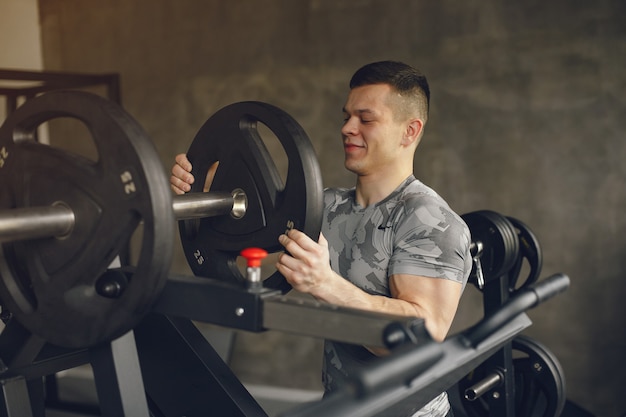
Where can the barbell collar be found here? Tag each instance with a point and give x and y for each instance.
(57, 220)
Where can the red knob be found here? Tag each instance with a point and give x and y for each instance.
(254, 256)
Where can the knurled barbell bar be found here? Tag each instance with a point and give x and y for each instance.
(58, 219)
(64, 219)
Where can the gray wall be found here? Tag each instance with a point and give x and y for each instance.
(527, 120)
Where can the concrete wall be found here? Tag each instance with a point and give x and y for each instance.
(20, 43)
(527, 120)
(20, 40)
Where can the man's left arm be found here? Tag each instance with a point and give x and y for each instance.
(433, 299)
(307, 269)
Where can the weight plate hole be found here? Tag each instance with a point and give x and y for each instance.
(69, 134)
(276, 151)
(208, 180)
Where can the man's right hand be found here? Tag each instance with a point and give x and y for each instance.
(181, 178)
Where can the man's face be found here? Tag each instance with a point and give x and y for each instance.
(371, 135)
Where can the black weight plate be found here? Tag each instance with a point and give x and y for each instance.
(530, 250)
(231, 137)
(500, 243)
(50, 285)
(539, 380)
(539, 383)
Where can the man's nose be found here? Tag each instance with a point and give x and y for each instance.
(349, 127)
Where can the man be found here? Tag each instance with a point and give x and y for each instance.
(390, 244)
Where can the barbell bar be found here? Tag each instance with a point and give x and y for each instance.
(58, 219)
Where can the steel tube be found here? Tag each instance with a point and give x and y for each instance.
(35, 222)
(199, 205)
(57, 220)
(486, 384)
(523, 300)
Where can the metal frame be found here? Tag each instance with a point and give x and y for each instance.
(165, 367)
(182, 373)
(28, 84)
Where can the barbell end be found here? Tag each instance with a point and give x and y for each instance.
(200, 205)
(486, 384)
(56, 220)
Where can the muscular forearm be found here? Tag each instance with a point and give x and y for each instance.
(341, 292)
(344, 293)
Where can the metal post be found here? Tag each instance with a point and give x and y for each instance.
(501, 400)
(117, 374)
(15, 400)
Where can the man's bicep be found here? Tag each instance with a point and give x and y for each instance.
(434, 299)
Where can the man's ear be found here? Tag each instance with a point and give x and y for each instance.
(413, 132)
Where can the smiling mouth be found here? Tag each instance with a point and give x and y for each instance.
(351, 147)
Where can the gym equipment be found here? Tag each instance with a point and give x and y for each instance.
(51, 285)
(529, 251)
(506, 384)
(231, 138)
(539, 382)
(510, 243)
(194, 379)
(500, 254)
(56, 279)
(411, 376)
(425, 370)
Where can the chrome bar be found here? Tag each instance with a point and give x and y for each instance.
(35, 222)
(200, 205)
(486, 384)
(57, 220)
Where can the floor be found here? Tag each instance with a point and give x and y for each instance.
(78, 386)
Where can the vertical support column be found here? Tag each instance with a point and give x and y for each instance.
(15, 398)
(18, 349)
(37, 397)
(184, 375)
(501, 400)
(118, 378)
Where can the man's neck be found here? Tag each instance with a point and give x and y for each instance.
(371, 190)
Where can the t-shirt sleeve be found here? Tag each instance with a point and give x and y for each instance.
(430, 240)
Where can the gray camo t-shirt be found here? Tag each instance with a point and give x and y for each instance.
(413, 231)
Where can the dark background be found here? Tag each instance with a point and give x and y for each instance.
(527, 119)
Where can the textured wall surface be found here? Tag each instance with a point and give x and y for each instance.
(527, 119)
